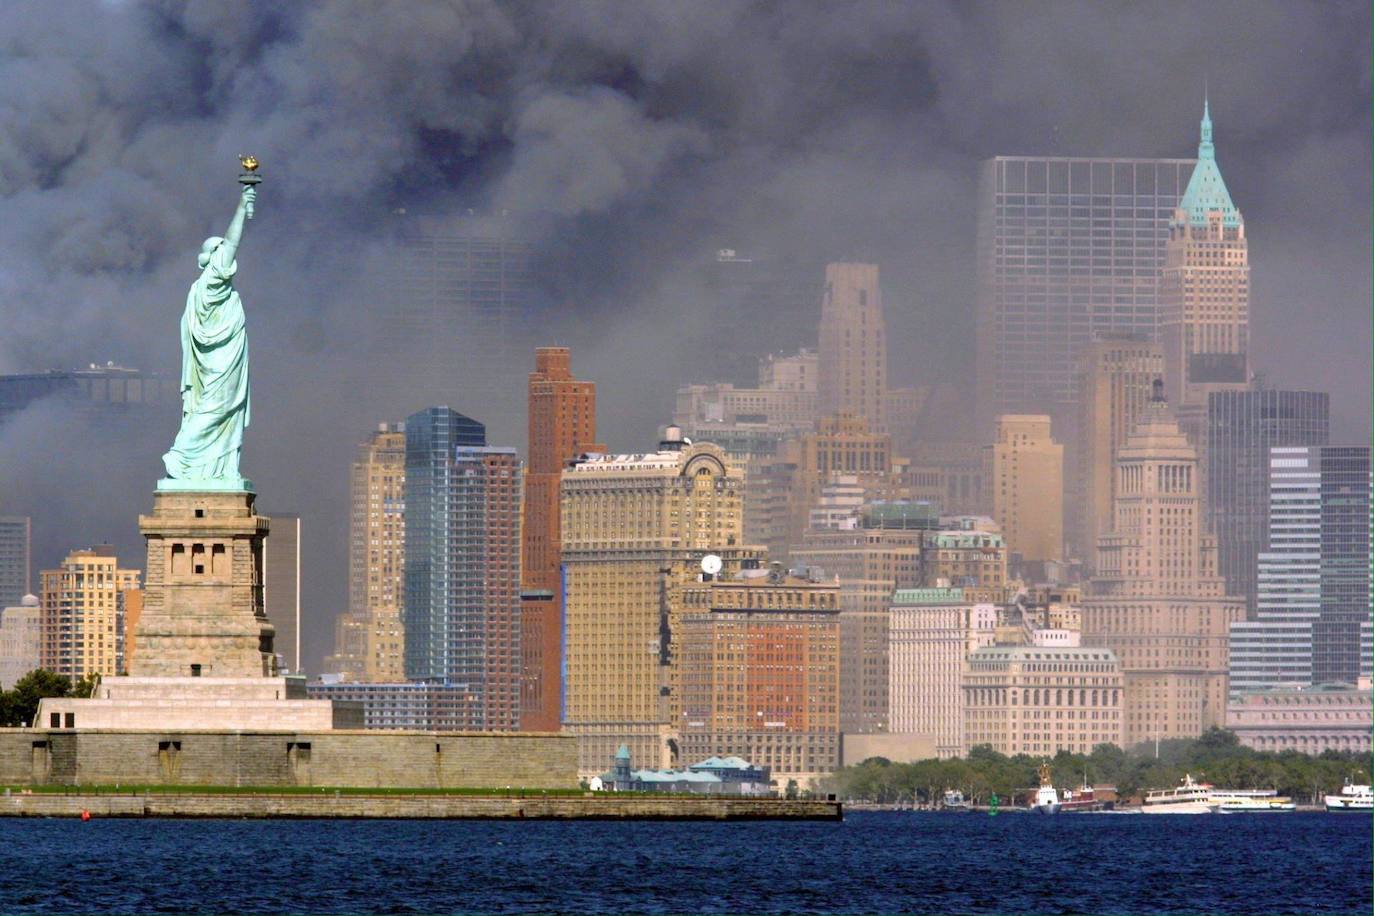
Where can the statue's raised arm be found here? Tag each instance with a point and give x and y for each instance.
(234, 233)
(214, 365)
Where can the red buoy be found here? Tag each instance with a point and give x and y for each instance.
(85, 815)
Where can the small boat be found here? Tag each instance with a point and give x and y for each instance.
(955, 801)
(1188, 798)
(1354, 797)
(1251, 801)
(1084, 799)
(1046, 797)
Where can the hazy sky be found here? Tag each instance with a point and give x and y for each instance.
(647, 135)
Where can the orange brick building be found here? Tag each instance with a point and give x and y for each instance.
(562, 425)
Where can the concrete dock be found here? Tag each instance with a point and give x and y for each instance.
(599, 806)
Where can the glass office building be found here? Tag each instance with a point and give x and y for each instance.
(15, 559)
(1341, 636)
(1312, 623)
(1067, 249)
(432, 437)
(1242, 426)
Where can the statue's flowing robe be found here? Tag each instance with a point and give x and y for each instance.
(214, 377)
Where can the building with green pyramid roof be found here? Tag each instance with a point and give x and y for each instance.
(1204, 292)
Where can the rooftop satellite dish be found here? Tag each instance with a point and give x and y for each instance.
(710, 564)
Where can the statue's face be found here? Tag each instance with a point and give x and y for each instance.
(207, 249)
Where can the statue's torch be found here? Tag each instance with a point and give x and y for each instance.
(248, 178)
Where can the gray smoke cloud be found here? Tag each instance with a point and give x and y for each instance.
(638, 138)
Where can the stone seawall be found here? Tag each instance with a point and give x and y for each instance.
(622, 806)
(339, 758)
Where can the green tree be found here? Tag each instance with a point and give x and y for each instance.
(20, 705)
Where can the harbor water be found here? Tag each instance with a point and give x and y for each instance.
(871, 862)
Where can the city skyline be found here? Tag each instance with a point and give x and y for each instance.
(1297, 171)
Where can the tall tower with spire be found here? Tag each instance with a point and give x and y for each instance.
(1205, 290)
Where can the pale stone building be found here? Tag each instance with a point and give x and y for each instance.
(1116, 375)
(760, 673)
(853, 345)
(1157, 600)
(932, 631)
(870, 561)
(789, 372)
(700, 406)
(1041, 699)
(21, 640)
(634, 529)
(377, 554)
(972, 556)
(905, 409)
(1024, 469)
(782, 490)
(83, 623)
(949, 473)
(1327, 717)
(750, 424)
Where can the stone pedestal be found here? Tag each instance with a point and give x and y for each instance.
(228, 703)
(203, 610)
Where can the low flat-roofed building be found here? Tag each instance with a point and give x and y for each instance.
(1040, 700)
(1326, 717)
(405, 705)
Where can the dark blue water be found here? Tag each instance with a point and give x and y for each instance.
(873, 862)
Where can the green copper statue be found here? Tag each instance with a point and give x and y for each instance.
(214, 364)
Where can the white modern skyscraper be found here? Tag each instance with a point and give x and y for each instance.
(1312, 613)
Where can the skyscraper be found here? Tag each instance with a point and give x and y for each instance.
(15, 559)
(462, 564)
(484, 583)
(1116, 375)
(853, 345)
(1025, 471)
(432, 437)
(1241, 427)
(376, 554)
(1067, 249)
(634, 529)
(83, 616)
(1156, 599)
(1341, 649)
(281, 588)
(562, 425)
(1204, 292)
(1312, 624)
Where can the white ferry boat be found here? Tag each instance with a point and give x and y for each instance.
(954, 801)
(1046, 797)
(1189, 798)
(1251, 801)
(1353, 797)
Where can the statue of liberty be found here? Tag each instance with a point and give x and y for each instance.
(214, 364)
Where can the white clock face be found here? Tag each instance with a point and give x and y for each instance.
(710, 564)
